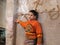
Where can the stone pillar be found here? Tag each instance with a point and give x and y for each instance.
(9, 21)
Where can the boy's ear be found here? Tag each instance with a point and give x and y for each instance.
(35, 17)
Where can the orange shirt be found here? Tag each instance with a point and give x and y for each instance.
(36, 30)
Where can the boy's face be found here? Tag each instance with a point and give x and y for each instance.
(31, 16)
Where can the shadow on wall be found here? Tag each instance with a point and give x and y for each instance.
(2, 36)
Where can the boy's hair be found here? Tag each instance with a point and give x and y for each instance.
(35, 13)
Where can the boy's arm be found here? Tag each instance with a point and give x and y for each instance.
(23, 24)
(39, 33)
(39, 41)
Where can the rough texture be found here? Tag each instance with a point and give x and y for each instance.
(50, 24)
(9, 21)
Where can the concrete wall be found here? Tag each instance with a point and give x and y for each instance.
(50, 24)
(9, 22)
(2, 13)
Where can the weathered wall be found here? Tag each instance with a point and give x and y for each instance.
(9, 22)
(2, 13)
(50, 24)
(49, 16)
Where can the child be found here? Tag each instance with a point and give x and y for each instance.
(32, 28)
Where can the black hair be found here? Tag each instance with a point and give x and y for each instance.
(35, 13)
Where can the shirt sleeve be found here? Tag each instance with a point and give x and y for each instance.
(23, 24)
(38, 30)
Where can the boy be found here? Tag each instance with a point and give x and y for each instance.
(32, 28)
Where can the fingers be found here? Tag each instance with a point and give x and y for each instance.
(16, 20)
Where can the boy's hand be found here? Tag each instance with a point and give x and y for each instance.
(17, 21)
(39, 44)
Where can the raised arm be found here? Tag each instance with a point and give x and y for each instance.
(23, 24)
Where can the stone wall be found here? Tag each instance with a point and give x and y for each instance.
(2, 13)
(49, 16)
(9, 22)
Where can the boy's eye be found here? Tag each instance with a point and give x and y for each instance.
(31, 15)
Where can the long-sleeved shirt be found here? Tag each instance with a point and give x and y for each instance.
(32, 28)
